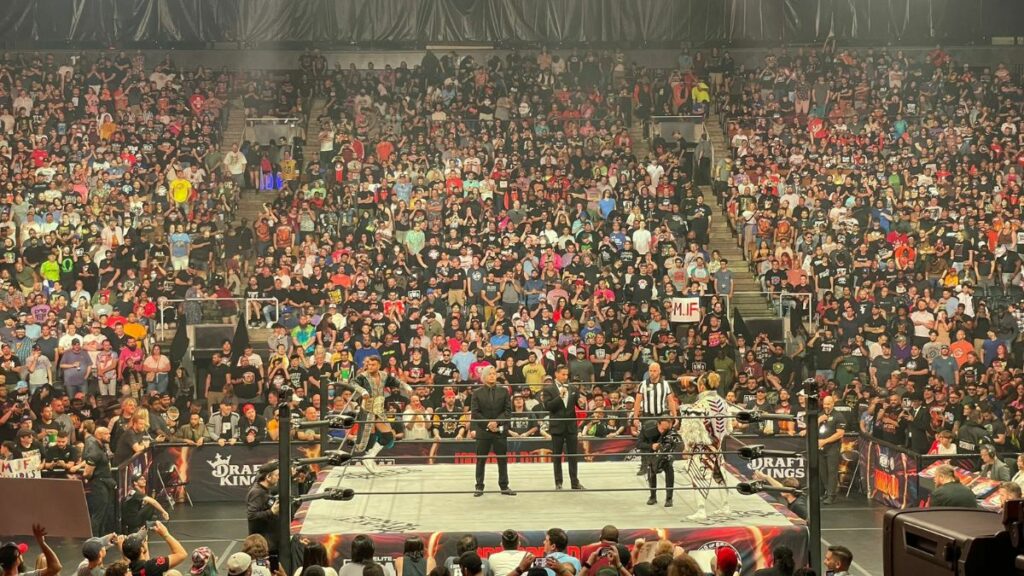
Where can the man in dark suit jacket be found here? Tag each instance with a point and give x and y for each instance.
(950, 492)
(919, 429)
(560, 401)
(491, 410)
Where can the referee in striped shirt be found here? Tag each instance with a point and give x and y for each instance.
(654, 397)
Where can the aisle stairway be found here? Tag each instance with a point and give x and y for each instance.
(748, 297)
(311, 150)
(641, 147)
(235, 130)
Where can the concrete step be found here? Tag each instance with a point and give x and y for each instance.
(750, 302)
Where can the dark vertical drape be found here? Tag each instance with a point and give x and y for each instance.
(635, 22)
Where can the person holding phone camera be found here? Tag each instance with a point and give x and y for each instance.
(136, 550)
(555, 561)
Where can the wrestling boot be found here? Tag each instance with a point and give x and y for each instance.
(699, 515)
(369, 464)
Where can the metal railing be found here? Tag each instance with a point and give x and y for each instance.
(171, 303)
(779, 302)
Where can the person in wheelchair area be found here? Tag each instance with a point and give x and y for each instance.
(139, 508)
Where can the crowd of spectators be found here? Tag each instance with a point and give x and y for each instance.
(459, 213)
(114, 190)
(606, 557)
(877, 194)
(464, 212)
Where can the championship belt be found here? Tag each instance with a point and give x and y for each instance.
(377, 405)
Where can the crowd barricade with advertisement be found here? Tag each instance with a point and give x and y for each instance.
(890, 473)
(900, 478)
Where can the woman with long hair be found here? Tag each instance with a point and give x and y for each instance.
(315, 555)
(413, 561)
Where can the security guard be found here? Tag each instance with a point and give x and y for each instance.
(99, 481)
(831, 429)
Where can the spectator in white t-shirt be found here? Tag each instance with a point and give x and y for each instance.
(234, 163)
(508, 559)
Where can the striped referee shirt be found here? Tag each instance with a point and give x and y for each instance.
(654, 397)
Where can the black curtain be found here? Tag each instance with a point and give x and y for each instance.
(633, 22)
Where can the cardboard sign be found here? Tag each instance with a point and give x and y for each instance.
(684, 310)
(21, 467)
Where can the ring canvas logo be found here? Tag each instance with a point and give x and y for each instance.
(229, 474)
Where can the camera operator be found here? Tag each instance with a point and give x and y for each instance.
(262, 507)
(136, 550)
(139, 508)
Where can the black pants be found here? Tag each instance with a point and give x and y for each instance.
(100, 501)
(133, 522)
(670, 480)
(569, 445)
(487, 442)
(828, 461)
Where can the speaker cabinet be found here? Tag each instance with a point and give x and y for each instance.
(946, 542)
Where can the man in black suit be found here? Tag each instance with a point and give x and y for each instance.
(560, 401)
(491, 410)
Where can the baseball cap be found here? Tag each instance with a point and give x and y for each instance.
(92, 547)
(238, 563)
(727, 560)
(131, 548)
(10, 552)
(200, 560)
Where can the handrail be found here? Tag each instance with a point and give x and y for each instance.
(162, 305)
(273, 120)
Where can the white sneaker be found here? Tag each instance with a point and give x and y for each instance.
(724, 511)
(698, 516)
(270, 324)
(370, 465)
